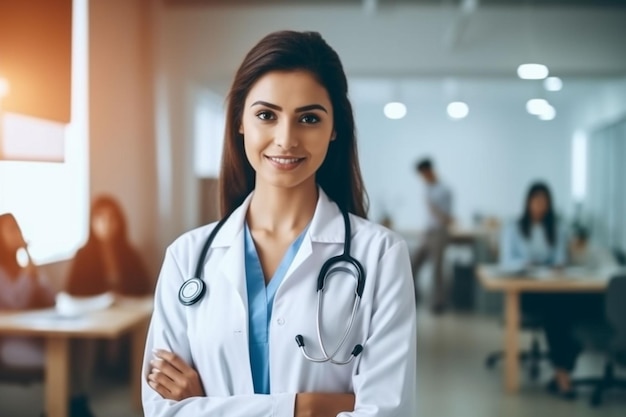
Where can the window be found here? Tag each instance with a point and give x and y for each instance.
(50, 200)
(209, 119)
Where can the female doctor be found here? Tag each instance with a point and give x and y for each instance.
(261, 328)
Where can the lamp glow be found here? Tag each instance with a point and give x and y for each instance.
(537, 106)
(549, 113)
(458, 110)
(532, 71)
(395, 110)
(553, 84)
(4, 87)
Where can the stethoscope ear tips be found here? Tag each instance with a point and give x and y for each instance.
(357, 350)
(300, 340)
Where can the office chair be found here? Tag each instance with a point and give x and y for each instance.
(531, 357)
(610, 338)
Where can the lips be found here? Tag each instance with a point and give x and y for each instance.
(284, 162)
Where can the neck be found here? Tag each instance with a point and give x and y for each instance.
(280, 210)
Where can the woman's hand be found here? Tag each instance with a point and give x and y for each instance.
(318, 404)
(172, 378)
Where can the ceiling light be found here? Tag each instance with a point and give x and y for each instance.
(458, 110)
(532, 71)
(553, 84)
(537, 106)
(395, 110)
(548, 113)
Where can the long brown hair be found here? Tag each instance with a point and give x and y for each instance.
(339, 175)
(8, 260)
(87, 275)
(549, 220)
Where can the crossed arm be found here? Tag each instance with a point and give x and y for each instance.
(173, 379)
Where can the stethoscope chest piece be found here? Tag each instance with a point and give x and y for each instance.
(191, 291)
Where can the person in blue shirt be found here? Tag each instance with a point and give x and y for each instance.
(539, 239)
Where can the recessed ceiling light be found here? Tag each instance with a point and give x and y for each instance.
(553, 84)
(458, 110)
(548, 113)
(395, 110)
(532, 71)
(537, 106)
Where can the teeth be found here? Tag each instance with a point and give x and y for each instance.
(285, 161)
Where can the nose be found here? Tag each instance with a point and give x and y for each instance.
(286, 135)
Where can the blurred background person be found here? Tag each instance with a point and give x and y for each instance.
(22, 287)
(586, 254)
(108, 261)
(438, 200)
(539, 239)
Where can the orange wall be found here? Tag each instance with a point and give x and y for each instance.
(122, 144)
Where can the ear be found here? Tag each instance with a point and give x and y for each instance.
(241, 129)
(333, 136)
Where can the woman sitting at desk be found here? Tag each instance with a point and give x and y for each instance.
(539, 239)
(23, 287)
(108, 262)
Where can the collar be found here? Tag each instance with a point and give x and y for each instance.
(326, 226)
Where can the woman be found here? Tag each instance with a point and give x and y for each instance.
(539, 239)
(23, 287)
(108, 262)
(289, 170)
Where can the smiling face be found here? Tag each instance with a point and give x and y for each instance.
(287, 126)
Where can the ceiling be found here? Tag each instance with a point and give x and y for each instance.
(384, 3)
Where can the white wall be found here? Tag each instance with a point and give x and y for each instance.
(487, 161)
(201, 47)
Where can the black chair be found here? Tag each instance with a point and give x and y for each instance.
(530, 358)
(611, 339)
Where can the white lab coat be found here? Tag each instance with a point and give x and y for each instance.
(212, 335)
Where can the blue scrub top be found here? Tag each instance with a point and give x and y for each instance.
(260, 302)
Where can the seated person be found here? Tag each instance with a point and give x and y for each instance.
(585, 254)
(23, 287)
(538, 239)
(108, 262)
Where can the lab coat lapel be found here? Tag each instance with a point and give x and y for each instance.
(326, 227)
(231, 239)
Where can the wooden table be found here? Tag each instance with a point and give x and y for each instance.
(545, 282)
(128, 316)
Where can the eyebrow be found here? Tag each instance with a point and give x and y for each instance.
(298, 110)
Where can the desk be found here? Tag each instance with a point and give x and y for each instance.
(513, 286)
(128, 316)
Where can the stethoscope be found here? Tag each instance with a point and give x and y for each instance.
(194, 289)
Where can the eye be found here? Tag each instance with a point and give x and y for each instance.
(266, 115)
(310, 119)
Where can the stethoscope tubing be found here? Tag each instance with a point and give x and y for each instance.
(328, 268)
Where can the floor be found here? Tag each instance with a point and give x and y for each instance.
(452, 379)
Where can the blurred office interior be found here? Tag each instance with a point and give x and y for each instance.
(143, 121)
